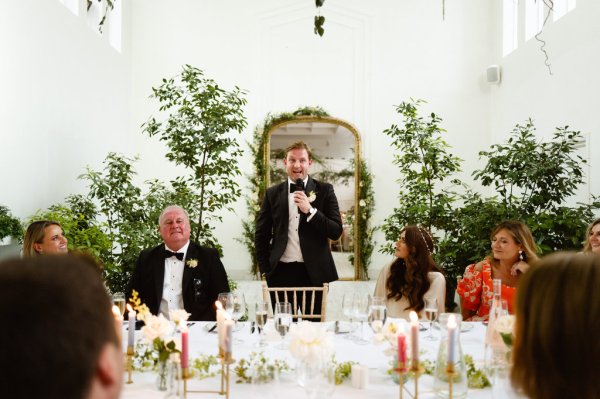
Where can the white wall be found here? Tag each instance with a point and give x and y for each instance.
(64, 102)
(68, 98)
(567, 97)
(370, 59)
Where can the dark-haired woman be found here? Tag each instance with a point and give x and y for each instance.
(413, 276)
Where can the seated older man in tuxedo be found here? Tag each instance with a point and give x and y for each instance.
(179, 274)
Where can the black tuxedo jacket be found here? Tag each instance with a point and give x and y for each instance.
(271, 235)
(201, 285)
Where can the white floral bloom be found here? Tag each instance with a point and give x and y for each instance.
(310, 343)
(505, 324)
(179, 316)
(156, 327)
(175, 357)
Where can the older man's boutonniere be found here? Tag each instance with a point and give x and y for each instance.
(192, 263)
(312, 196)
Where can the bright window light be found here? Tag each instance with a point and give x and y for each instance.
(562, 7)
(534, 18)
(72, 5)
(510, 18)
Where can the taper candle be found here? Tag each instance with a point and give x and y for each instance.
(402, 351)
(414, 337)
(131, 326)
(184, 348)
(227, 333)
(220, 313)
(451, 338)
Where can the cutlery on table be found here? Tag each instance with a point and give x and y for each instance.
(252, 327)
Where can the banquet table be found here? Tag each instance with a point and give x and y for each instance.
(380, 384)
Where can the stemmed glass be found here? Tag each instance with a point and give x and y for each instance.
(261, 312)
(361, 313)
(431, 309)
(283, 321)
(239, 307)
(348, 310)
(226, 299)
(377, 314)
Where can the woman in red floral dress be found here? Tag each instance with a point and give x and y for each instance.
(513, 250)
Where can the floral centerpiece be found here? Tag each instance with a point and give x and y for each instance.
(313, 348)
(158, 344)
(388, 334)
(505, 326)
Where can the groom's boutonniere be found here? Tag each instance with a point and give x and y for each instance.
(312, 196)
(192, 263)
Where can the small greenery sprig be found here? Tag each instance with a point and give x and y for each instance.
(343, 371)
(476, 378)
(264, 369)
(201, 366)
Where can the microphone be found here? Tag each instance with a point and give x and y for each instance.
(299, 187)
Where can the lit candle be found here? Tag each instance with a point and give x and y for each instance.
(227, 333)
(184, 348)
(402, 351)
(118, 322)
(451, 338)
(131, 326)
(220, 313)
(414, 337)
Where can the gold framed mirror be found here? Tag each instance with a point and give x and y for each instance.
(336, 153)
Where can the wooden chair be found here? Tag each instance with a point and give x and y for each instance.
(293, 296)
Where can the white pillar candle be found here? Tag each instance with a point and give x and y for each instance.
(227, 333)
(220, 313)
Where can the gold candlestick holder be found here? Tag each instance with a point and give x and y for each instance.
(226, 361)
(451, 373)
(417, 370)
(129, 364)
(401, 370)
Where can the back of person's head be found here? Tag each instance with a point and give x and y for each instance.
(522, 235)
(34, 235)
(58, 330)
(557, 341)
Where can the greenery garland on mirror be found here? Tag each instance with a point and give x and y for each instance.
(258, 186)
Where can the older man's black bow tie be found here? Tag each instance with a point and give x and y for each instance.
(178, 255)
(298, 186)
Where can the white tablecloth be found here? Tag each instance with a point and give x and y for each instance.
(372, 355)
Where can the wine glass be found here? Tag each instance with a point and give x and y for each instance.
(239, 306)
(283, 320)
(226, 299)
(119, 301)
(431, 309)
(361, 313)
(377, 314)
(261, 312)
(320, 381)
(348, 310)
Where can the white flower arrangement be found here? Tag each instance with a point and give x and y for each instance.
(312, 196)
(505, 326)
(192, 263)
(311, 343)
(156, 327)
(389, 334)
(179, 317)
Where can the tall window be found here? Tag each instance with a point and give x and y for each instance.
(562, 7)
(510, 19)
(534, 18)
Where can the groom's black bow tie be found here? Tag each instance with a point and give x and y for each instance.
(298, 186)
(178, 255)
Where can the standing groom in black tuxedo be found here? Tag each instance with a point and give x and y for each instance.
(296, 221)
(179, 274)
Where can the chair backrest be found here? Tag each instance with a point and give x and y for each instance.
(297, 297)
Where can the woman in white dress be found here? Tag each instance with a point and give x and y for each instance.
(413, 276)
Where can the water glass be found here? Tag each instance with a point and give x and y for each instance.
(283, 320)
(377, 314)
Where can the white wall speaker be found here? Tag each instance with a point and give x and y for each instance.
(493, 74)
